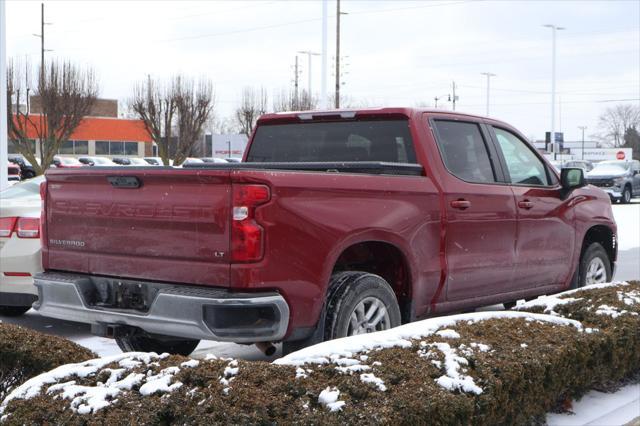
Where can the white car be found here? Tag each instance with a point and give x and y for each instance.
(20, 253)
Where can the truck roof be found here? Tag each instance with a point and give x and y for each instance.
(288, 116)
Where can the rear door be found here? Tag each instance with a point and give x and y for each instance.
(151, 224)
(480, 212)
(546, 232)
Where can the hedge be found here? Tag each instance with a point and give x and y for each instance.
(25, 353)
(464, 369)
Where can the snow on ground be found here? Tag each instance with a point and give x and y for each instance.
(598, 408)
(628, 220)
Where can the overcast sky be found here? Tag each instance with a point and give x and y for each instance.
(400, 53)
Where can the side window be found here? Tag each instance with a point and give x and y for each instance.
(523, 166)
(464, 151)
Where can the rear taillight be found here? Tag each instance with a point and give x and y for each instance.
(247, 236)
(7, 224)
(28, 227)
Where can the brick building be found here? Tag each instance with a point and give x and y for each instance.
(102, 136)
(101, 107)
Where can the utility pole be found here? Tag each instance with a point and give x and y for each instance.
(323, 81)
(436, 99)
(453, 98)
(338, 13)
(41, 36)
(4, 178)
(309, 54)
(552, 135)
(489, 75)
(583, 128)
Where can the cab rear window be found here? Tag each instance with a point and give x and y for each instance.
(366, 140)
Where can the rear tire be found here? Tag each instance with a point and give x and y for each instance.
(13, 311)
(360, 303)
(139, 341)
(594, 267)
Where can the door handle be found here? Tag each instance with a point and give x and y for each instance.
(526, 204)
(461, 204)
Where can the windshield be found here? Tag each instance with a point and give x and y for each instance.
(612, 166)
(27, 188)
(365, 140)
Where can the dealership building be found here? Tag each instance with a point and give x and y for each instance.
(100, 133)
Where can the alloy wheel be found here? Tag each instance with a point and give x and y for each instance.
(368, 316)
(596, 272)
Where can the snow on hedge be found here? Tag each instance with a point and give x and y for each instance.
(334, 351)
(88, 399)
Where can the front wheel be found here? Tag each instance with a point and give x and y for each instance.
(360, 303)
(626, 195)
(139, 341)
(594, 267)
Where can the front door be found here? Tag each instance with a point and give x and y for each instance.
(480, 213)
(546, 233)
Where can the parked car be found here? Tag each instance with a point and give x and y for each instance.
(97, 161)
(66, 162)
(233, 160)
(618, 178)
(339, 223)
(585, 165)
(13, 171)
(26, 168)
(130, 161)
(215, 160)
(191, 160)
(19, 245)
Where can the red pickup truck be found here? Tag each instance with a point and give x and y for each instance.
(336, 223)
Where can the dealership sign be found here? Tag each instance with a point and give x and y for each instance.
(600, 154)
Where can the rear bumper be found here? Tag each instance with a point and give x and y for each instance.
(173, 310)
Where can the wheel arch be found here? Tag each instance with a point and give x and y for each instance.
(384, 258)
(603, 235)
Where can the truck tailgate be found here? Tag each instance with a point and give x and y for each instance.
(151, 224)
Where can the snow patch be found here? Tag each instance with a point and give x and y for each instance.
(448, 334)
(190, 364)
(329, 398)
(371, 378)
(453, 380)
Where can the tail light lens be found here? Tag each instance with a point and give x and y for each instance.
(28, 227)
(7, 224)
(24, 227)
(247, 236)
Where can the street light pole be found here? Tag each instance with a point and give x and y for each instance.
(323, 81)
(489, 75)
(552, 135)
(582, 128)
(3, 99)
(309, 54)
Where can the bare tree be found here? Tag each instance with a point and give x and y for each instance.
(616, 121)
(252, 105)
(194, 102)
(288, 101)
(66, 94)
(174, 114)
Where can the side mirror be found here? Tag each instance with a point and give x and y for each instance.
(572, 178)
